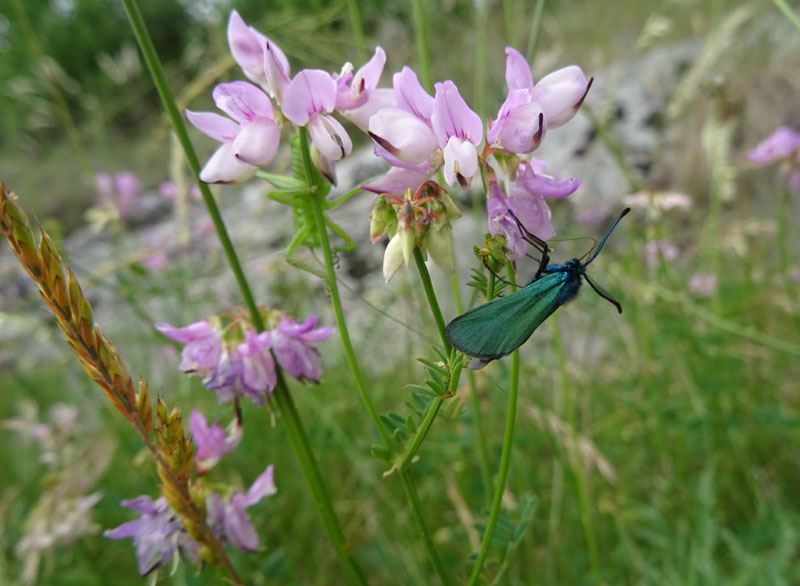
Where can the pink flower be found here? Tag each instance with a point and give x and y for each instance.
(660, 249)
(781, 145)
(212, 442)
(459, 131)
(703, 284)
(293, 349)
(308, 100)
(249, 140)
(203, 349)
(261, 60)
(529, 110)
(353, 91)
(157, 535)
(257, 375)
(229, 521)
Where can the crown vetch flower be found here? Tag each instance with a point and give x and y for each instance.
(157, 535)
(203, 349)
(459, 131)
(261, 60)
(781, 145)
(353, 91)
(229, 520)
(212, 442)
(308, 101)
(293, 350)
(257, 375)
(249, 140)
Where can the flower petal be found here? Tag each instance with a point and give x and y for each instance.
(312, 91)
(242, 101)
(452, 117)
(518, 72)
(330, 137)
(410, 96)
(257, 142)
(560, 94)
(213, 125)
(225, 167)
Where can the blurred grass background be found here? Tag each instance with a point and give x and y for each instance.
(662, 443)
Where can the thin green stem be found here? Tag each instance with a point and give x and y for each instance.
(481, 28)
(536, 29)
(477, 419)
(787, 12)
(421, 34)
(505, 461)
(430, 294)
(575, 463)
(416, 508)
(510, 17)
(308, 465)
(291, 419)
(167, 98)
(336, 299)
(357, 28)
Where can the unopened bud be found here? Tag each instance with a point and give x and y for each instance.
(382, 220)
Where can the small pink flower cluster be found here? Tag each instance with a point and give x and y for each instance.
(159, 534)
(235, 361)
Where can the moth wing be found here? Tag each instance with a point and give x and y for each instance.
(501, 326)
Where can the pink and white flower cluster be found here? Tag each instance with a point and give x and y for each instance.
(783, 147)
(250, 135)
(237, 362)
(417, 133)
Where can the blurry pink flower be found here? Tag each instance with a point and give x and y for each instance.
(212, 442)
(660, 249)
(293, 349)
(781, 145)
(248, 141)
(203, 349)
(703, 284)
(257, 374)
(230, 522)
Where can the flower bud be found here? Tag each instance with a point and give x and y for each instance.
(382, 220)
(439, 243)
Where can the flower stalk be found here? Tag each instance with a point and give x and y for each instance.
(282, 397)
(505, 460)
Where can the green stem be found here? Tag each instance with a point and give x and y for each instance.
(430, 294)
(300, 445)
(505, 461)
(510, 16)
(477, 419)
(167, 98)
(481, 28)
(302, 450)
(357, 27)
(787, 12)
(421, 34)
(575, 463)
(536, 29)
(336, 299)
(416, 508)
